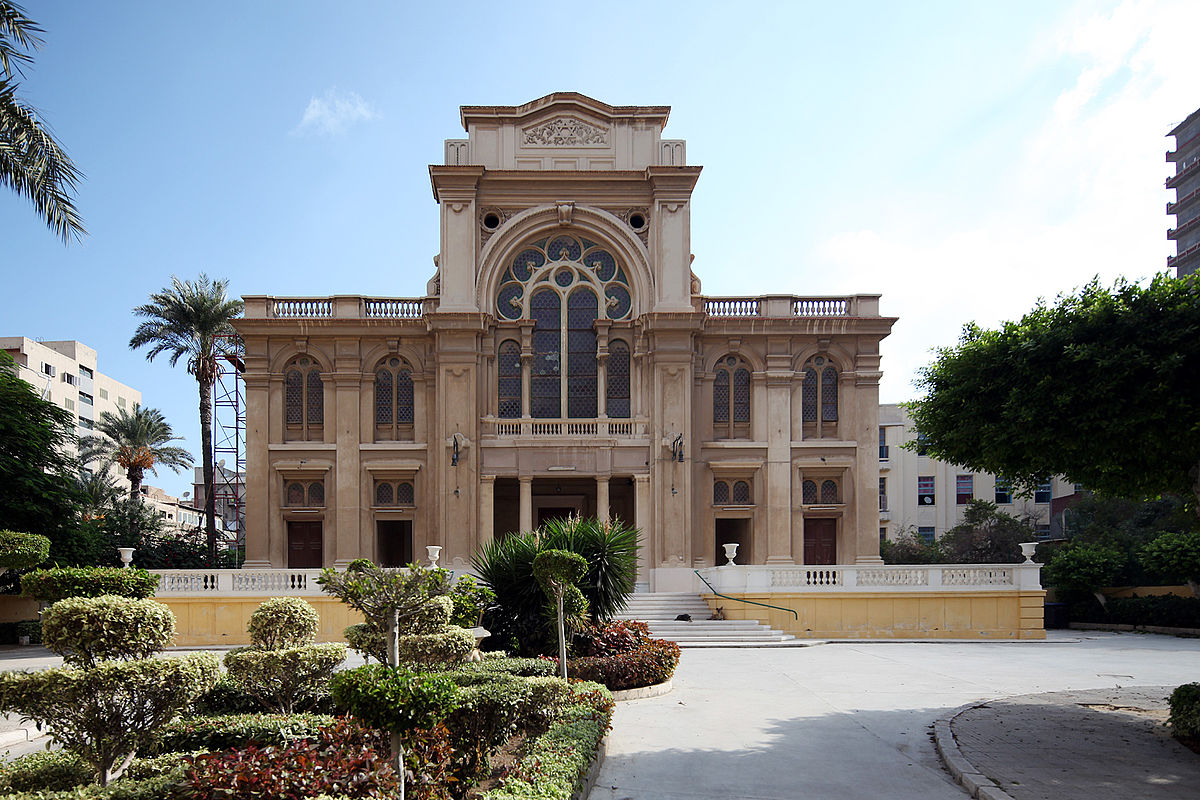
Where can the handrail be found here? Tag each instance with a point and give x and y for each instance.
(743, 600)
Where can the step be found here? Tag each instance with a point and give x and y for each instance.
(660, 612)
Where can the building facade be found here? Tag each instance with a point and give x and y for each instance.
(66, 374)
(1186, 183)
(179, 515)
(563, 361)
(929, 497)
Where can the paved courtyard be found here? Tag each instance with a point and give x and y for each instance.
(853, 720)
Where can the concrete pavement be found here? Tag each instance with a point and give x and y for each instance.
(853, 720)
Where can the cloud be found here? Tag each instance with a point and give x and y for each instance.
(1082, 197)
(334, 114)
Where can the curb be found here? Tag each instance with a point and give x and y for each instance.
(20, 736)
(965, 773)
(642, 692)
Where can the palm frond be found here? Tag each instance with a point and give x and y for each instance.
(18, 35)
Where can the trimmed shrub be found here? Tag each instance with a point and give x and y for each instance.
(652, 663)
(44, 770)
(52, 585)
(377, 593)
(615, 636)
(31, 628)
(283, 623)
(368, 640)
(489, 710)
(1185, 711)
(470, 599)
(558, 760)
(432, 617)
(22, 550)
(523, 667)
(226, 696)
(343, 760)
(285, 680)
(1175, 555)
(84, 630)
(107, 713)
(234, 731)
(394, 699)
(437, 649)
(151, 789)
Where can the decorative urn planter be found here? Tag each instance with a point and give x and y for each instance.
(126, 556)
(434, 552)
(1027, 550)
(730, 553)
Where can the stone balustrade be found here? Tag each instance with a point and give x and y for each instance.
(835, 578)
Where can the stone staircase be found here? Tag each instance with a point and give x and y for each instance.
(660, 609)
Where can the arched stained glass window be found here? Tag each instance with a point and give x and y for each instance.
(508, 368)
(303, 400)
(829, 492)
(731, 399)
(581, 354)
(809, 492)
(720, 493)
(617, 401)
(819, 398)
(394, 410)
(565, 261)
(545, 388)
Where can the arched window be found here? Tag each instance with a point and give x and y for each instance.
(809, 492)
(393, 400)
(720, 493)
(617, 401)
(508, 366)
(731, 399)
(304, 494)
(303, 400)
(741, 492)
(829, 492)
(383, 494)
(819, 398)
(391, 493)
(563, 284)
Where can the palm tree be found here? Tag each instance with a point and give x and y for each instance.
(97, 491)
(32, 163)
(194, 320)
(138, 441)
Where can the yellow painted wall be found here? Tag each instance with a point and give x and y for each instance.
(204, 621)
(867, 615)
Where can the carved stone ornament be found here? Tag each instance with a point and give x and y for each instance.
(565, 213)
(566, 132)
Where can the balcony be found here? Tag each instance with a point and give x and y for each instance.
(899, 579)
(1185, 257)
(781, 306)
(337, 307)
(564, 428)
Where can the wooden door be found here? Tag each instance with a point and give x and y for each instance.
(820, 541)
(304, 545)
(393, 543)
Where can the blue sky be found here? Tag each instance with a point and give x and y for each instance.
(961, 158)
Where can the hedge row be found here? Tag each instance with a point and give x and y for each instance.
(236, 730)
(1169, 611)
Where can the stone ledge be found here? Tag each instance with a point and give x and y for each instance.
(642, 692)
(965, 773)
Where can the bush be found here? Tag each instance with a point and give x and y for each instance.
(431, 617)
(367, 640)
(470, 600)
(344, 760)
(282, 623)
(1082, 567)
(107, 713)
(394, 699)
(52, 585)
(652, 663)
(559, 759)
(909, 547)
(226, 696)
(84, 630)
(523, 667)
(235, 731)
(22, 550)
(285, 680)
(151, 789)
(437, 649)
(610, 638)
(1185, 711)
(490, 708)
(1175, 556)
(378, 593)
(31, 628)
(45, 770)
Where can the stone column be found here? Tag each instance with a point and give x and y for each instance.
(642, 517)
(258, 467)
(866, 466)
(525, 521)
(347, 381)
(602, 496)
(778, 386)
(487, 516)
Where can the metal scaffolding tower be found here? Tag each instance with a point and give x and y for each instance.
(229, 439)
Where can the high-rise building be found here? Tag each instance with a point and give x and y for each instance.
(65, 373)
(1186, 183)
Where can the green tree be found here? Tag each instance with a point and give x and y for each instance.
(986, 535)
(37, 492)
(1101, 387)
(193, 320)
(909, 547)
(1175, 555)
(1127, 526)
(32, 163)
(137, 440)
(1083, 568)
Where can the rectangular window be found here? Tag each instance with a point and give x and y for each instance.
(1043, 530)
(85, 399)
(883, 447)
(964, 489)
(69, 404)
(883, 494)
(925, 493)
(925, 533)
(882, 534)
(69, 379)
(86, 424)
(1042, 493)
(86, 371)
(1003, 491)
(104, 394)
(48, 369)
(120, 401)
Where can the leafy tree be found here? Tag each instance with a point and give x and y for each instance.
(986, 535)
(138, 441)
(32, 163)
(1127, 526)
(1100, 386)
(557, 571)
(37, 493)
(1083, 568)
(1175, 555)
(909, 547)
(193, 320)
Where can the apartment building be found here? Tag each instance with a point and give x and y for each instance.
(930, 496)
(1186, 183)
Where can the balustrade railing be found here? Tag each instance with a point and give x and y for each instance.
(219, 582)
(495, 426)
(854, 577)
(301, 307)
(393, 307)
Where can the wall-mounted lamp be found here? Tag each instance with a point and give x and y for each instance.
(677, 448)
(454, 455)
